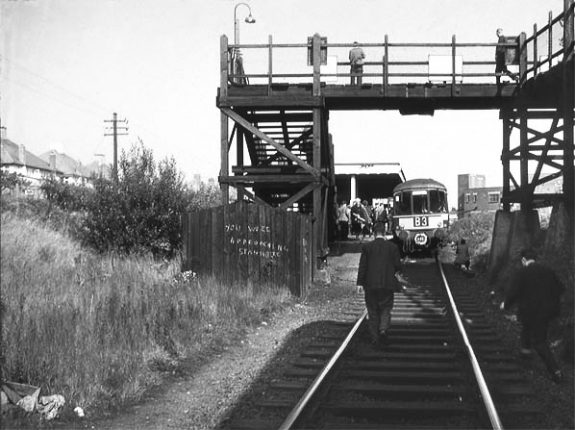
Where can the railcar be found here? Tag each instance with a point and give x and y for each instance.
(420, 214)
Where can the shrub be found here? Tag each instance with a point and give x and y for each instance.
(65, 196)
(477, 230)
(141, 211)
(9, 181)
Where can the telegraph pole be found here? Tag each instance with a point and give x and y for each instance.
(123, 132)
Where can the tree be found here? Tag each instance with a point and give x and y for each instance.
(142, 210)
(9, 181)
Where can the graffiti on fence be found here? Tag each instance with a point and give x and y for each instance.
(254, 240)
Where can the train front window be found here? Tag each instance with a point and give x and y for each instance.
(420, 205)
(403, 203)
(437, 201)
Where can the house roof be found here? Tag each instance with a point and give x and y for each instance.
(10, 154)
(64, 163)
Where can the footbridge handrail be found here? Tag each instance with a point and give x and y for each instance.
(531, 42)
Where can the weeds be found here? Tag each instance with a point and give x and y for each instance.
(96, 328)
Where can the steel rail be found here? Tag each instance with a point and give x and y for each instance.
(298, 408)
(485, 394)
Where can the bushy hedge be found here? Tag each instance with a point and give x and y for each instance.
(9, 181)
(139, 212)
(66, 196)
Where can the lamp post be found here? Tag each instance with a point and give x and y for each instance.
(237, 64)
(250, 20)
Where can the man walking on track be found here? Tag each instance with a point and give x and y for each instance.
(379, 274)
(536, 290)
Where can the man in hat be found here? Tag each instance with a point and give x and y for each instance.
(356, 57)
(379, 275)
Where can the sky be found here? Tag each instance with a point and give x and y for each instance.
(67, 65)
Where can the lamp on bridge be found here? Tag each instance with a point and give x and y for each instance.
(250, 20)
(237, 62)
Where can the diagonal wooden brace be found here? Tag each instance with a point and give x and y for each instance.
(246, 124)
(252, 196)
(305, 190)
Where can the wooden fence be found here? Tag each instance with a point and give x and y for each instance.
(249, 241)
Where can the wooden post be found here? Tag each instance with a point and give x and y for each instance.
(224, 168)
(504, 114)
(317, 219)
(224, 61)
(453, 65)
(270, 65)
(550, 40)
(568, 106)
(224, 127)
(525, 191)
(535, 61)
(522, 58)
(240, 156)
(386, 67)
(316, 56)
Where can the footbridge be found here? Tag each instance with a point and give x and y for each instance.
(274, 118)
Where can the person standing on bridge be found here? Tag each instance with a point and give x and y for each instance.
(536, 290)
(356, 58)
(379, 275)
(500, 63)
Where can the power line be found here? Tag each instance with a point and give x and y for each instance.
(57, 86)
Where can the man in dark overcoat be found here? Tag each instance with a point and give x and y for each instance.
(379, 274)
(536, 290)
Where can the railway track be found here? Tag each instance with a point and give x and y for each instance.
(424, 378)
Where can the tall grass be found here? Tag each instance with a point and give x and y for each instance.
(98, 328)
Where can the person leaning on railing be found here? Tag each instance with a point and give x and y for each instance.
(500, 64)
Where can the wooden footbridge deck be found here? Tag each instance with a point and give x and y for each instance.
(280, 115)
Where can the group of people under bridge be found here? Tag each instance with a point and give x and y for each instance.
(359, 218)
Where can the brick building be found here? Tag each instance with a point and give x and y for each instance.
(473, 195)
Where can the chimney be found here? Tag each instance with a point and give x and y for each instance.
(22, 154)
(2, 133)
(52, 161)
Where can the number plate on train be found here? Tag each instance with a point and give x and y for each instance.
(420, 221)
